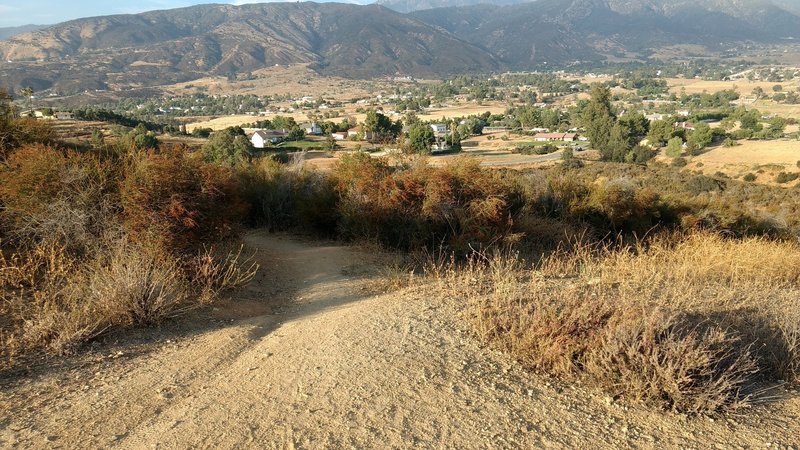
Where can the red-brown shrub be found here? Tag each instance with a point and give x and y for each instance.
(178, 202)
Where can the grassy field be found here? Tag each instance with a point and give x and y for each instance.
(696, 86)
(764, 159)
(447, 111)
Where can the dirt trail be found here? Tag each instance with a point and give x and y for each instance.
(306, 357)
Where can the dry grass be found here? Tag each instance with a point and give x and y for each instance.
(764, 158)
(52, 301)
(687, 323)
(744, 87)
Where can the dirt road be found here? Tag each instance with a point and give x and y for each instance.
(308, 357)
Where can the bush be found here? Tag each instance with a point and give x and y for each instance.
(177, 202)
(786, 177)
(750, 177)
(679, 162)
(699, 184)
(52, 195)
(686, 323)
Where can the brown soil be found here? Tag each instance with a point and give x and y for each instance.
(308, 356)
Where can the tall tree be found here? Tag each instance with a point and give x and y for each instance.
(598, 119)
(27, 92)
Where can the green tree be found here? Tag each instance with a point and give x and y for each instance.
(660, 132)
(675, 147)
(598, 119)
(228, 148)
(701, 137)
(27, 92)
(751, 120)
(141, 139)
(420, 138)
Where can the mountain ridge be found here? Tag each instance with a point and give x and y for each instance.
(362, 41)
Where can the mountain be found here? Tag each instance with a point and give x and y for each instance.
(790, 5)
(559, 31)
(407, 6)
(175, 45)
(164, 47)
(8, 32)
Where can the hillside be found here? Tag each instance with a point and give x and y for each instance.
(558, 31)
(183, 44)
(407, 6)
(8, 32)
(165, 47)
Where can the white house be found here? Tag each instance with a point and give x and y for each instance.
(339, 136)
(311, 128)
(439, 128)
(261, 138)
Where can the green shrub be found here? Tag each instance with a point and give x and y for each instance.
(750, 177)
(786, 177)
(679, 162)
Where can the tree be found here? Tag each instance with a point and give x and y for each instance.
(420, 138)
(598, 119)
(141, 139)
(27, 92)
(228, 148)
(330, 142)
(675, 147)
(702, 136)
(751, 120)
(659, 133)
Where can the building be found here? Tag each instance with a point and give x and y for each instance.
(684, 125)
(262, 138)
(63, 115)
(355, 132)
(548, 137)
(311, 128)
(439, 128)
(552, 137)
(340, 136)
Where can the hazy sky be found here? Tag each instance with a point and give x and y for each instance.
(45, 12)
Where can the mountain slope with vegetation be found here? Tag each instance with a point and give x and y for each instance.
(165, 47)
(559, 31)
(183, 44)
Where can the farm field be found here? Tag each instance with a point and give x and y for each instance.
(765, 159)
(455, 110)
(745, 87)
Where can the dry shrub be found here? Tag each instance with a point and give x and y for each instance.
(217, 270)
(177, 201)
(688, 323)
(52, 195)
(137, 287)
(460, 205)
(282, 197)
(16, 132)
(55, 302)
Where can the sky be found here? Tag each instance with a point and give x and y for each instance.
(45, 12)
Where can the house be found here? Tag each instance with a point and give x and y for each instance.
(439, 128)
(63, 115)
(359, 131)
(570, 137)
(261, 138)
(311, 128)
(684, 125)
(339, 136)
(540, 130)
(654, 117)
(548, 137)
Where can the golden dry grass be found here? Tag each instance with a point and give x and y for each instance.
(688, 323)
(762, 158)
(743, 87)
